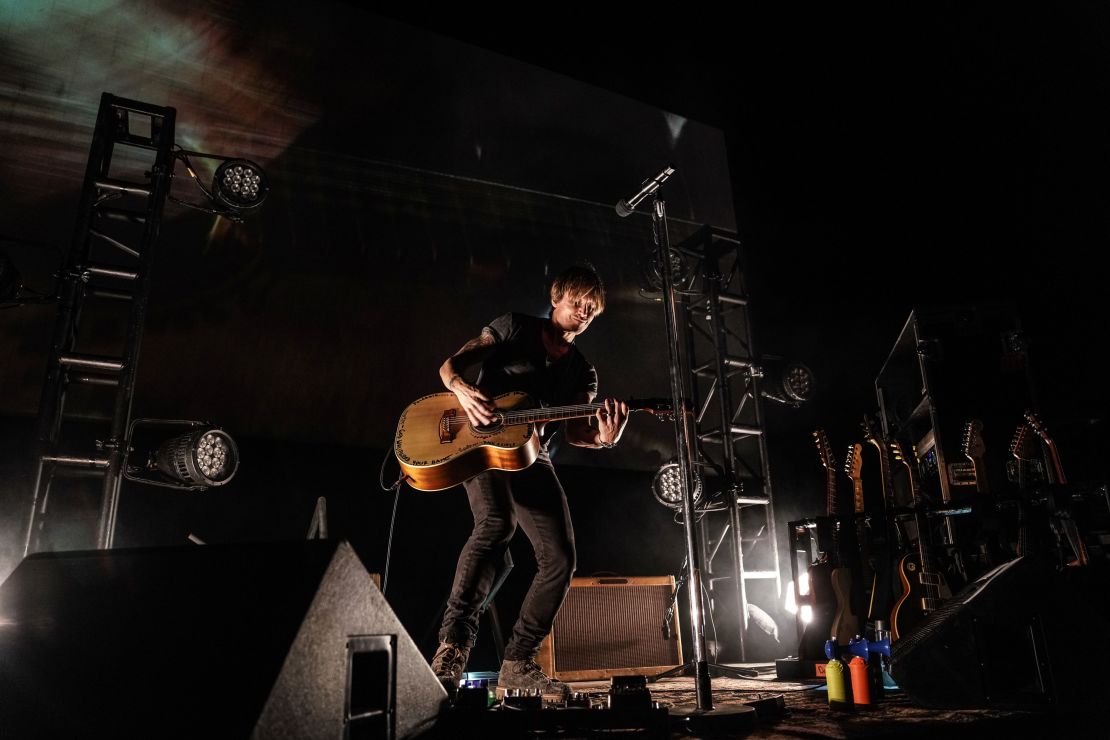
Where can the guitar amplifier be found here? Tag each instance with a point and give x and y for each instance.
(612, 627)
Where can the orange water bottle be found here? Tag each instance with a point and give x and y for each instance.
(861, 689)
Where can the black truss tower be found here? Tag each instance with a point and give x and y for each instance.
(725, 388)
(109, 260)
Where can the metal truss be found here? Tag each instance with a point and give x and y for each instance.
(109, 262)
(725, 390)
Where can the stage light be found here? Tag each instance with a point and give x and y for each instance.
(240, 184)
(651, 272)
(237, 185)
(10, 280)
(206, 457)
(797, 382)
(667, 488)
(789, 383)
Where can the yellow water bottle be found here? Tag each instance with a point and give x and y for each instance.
(837, 683)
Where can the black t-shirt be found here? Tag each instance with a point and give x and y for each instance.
(519, 362)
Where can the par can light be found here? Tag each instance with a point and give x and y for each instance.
(207, 457)
(240, 184)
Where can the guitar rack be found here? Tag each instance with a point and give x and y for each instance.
(949, 365)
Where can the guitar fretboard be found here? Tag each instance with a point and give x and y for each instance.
(554, 413)
(542, 414)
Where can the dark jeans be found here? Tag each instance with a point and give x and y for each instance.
(500, 501)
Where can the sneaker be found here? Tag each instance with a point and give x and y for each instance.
(526, 674)
(448, 664)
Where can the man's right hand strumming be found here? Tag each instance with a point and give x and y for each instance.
(475, 403)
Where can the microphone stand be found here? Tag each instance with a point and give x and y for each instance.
(684, 440)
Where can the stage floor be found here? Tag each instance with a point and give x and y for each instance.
(807, 714)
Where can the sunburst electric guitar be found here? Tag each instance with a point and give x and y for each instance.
(924, 587)
(438, 447)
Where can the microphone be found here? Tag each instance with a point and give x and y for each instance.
(626, 207)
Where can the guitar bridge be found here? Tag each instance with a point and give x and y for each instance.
(445, 433)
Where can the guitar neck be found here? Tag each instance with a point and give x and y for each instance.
(911, 476)
(884, 473)
(1057, 466)
(981, 483)
(554, 413)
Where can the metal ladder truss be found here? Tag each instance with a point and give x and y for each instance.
(725, 390)
(106, 277)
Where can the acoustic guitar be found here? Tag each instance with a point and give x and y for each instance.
(438, 447)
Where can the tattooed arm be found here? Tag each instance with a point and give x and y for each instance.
(475, 403)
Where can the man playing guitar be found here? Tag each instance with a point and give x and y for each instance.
(538, 356)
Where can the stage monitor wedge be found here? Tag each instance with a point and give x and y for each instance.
(1024, 635)
(229, 641)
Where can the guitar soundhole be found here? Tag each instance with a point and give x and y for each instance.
(491, 427)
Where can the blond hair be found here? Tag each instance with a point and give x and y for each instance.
(581, 282)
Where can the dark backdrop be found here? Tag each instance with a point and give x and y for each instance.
(875, 161)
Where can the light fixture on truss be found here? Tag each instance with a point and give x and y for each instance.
(204, 456)
(237, 185)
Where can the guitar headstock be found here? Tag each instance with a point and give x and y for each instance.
(1020, 446)
(853, 465)
(824, 449)
(661, 408)
(1036, 426)
(896, 452)
(973, 446)
(871, 432)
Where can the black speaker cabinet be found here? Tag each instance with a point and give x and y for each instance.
(237, 641)
(1023, 635)
(612, 627)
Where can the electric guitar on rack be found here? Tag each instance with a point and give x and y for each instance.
(997, 545)
(1021, 449)
(974, 449)
(1024, 469)
(853, 467)
(924, 587)
(1062, 520)
(438, 447)
(889, 538)
(821, 597)
(845, 624)
(1039, 429)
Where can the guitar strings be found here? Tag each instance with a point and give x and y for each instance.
(516, 417)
